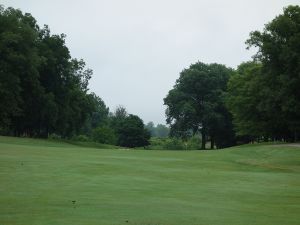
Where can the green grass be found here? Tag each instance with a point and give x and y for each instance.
(248, 185)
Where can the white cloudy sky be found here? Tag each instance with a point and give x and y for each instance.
(137, 48)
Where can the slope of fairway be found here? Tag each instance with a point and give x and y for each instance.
(45, 182)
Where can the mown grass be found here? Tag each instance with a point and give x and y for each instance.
(47, 182)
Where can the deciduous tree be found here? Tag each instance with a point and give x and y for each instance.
(196, 103)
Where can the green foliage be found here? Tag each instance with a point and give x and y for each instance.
(174, 144)
(131, 132)
(264, 96)
(193, 143)
(100, 114)
(160, 130)
(166, 144)
(98, 117)
(44, 92)
(104, 135)
(196, 103)
(151, 128)
(42, 89)
(54, 137)
(129, 129)
(279, 51)
(19, 63)
(245, 92)
(156, 143)
(81, 138)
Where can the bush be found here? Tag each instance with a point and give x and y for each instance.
(192, 143)
(104, 135)
(174, 144)
(54, 137)
(82, 138)
(131, 132)
(156, 143)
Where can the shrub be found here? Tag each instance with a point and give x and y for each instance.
(174, 144)
(104, 135)
(54, 137)
(82, 138)
(194, 143)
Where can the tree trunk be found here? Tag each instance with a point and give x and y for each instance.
(212, 143)
(203, 140)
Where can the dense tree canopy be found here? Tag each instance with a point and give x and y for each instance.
(264, 96)
(243, 99)
(131, 132)
(42, 89)
(196, 103)
(129, 129)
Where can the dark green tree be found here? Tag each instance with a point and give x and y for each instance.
(42, 89)
(100, 113)
(196, 103)
(19, 63)
(264, 97)
(129, 129)
(104, 135)
(245, 91)
(132, 133)
(67, 79)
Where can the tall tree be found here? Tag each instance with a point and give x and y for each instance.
(196, 103)
(42, 89)
(19, 77)
(279, 52)
(245, 91)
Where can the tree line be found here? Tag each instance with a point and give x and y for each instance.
(44, 91)
(260, 100)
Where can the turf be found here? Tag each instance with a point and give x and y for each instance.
(46, 182)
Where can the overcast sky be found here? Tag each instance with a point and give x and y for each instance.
(137, 48)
